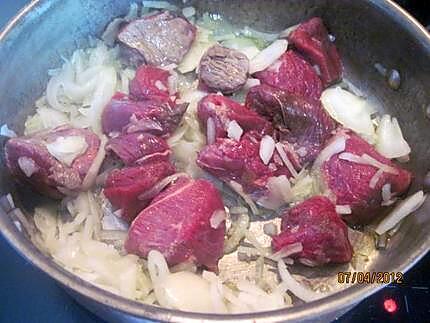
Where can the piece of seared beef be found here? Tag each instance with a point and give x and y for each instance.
(312, 40)
(223, 110)
(315, 224)
(223, 69)
(161, 39)
(139, 148)
(303, 124)
(157, 115)
(149, 81)
(123, 187)
(180, 223)
(293, 74)
(239, 161)
(53, 162)
(349, 183)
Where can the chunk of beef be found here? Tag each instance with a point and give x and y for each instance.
(293, 74)
(157, 115)
(223, 69)
(161, 39)
(348, 182)
(149, 81)
(223, 110)
(228, 160)
(49, 162)
(315, 224)
(312, 40)
(124, 186)
(139, 148)
(178, 224)
(303, 123)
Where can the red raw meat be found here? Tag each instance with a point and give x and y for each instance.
(49, 176)
(316, 225)
(228, 159)
(149, 81)
(312, 40)
(293, 74)
(302, 123)
(348, 182)
(157, 115)
(160, 39)
(139, 148)
(223, 110)
(177, 223)
(124, 186)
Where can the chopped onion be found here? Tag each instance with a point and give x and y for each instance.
(286, 32)
(199, 47)
(375, 178)
(151, 193)
(343, 209)
(286, 251)
(236, 233)
(365, 159)
(238, 210)
(297, 289)
(7, 203)
(152, 4)
(113, 235)
(279, 193)
(268, 56)
(67, 149)
(90, 177)
(402, 209)
(334, 147)
(210, 131)
(390, 142)
(251, 83)
(188, 12)
(234, 131)
(280, 148)
(387, 196)
(217, 218)
(267, 147)
(6, 132)
(270, 229)
(244, 45)
(112, 222)
(27, 165)
(239, 190)
(349, 110)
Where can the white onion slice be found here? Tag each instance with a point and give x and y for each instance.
(279, 193)
(387, 195)
(6, 132)
(287, 251)
(286, 160)
(251, 83)
(343, 209)
(210, 131)
(234, 130)
(151, 193)
(305, 294)
(67, 149)
(217, 218)
(390, 142)
(239, 190)
(268, 56)
(402, 209)
(91, 176)
(365, 159)
(267, 147)
(375, 178)
(336, 146)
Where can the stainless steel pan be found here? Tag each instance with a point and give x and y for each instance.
(367, 32)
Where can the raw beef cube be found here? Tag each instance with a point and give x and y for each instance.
(149, 81)
(312, 40)
(293, 74)
(315, 224)
(124, 186)
(53, 162)
(184, 223)
(350, 182)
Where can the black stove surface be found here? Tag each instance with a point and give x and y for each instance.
(27, 295)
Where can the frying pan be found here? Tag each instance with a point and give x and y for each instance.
(367, 32)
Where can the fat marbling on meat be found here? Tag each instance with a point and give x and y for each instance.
(188, 235)
(315, 224)
(30, 161)
(223, 69)
(161, 39)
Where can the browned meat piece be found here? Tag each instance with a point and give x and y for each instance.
(161, 39)
(49, 163)
(223, 69)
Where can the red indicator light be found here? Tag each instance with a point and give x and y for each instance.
(390, 305)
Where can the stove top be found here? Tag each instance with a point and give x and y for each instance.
(28, 295)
